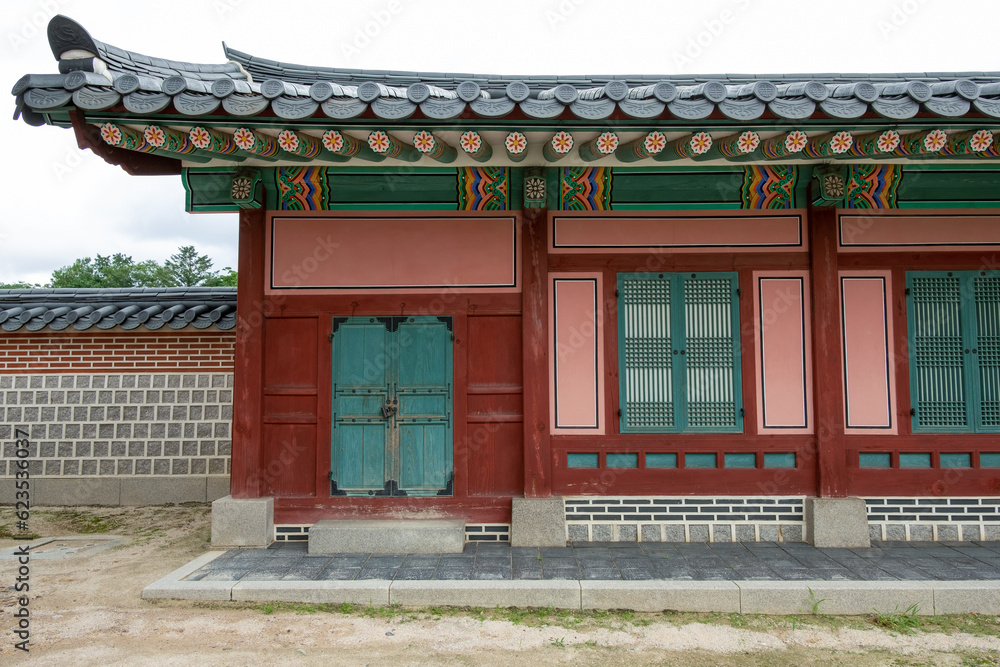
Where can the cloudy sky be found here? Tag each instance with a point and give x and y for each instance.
(63, 203)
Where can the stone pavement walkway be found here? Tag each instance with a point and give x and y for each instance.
(620, 561)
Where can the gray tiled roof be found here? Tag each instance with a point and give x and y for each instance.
(249, 86)
(125, 308)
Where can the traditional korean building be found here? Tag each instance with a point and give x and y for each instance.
(586, 308)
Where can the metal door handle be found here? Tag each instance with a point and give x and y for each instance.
(388, 409)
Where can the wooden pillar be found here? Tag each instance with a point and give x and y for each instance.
(535, 359)
(249, 367)
(828, 384)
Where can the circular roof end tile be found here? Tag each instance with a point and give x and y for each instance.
(518, 91)
(320, 91)
(272, 88)
(223, 88)
(468, 91)
(918, 91)
(865, 92)
(127, 83)
(714, 91)
(817, 91)
(967, 89)
(665, 91)
(418, 92)
(174, 85)
(765, 91)
(616, 90)
(369, 91)
(77, 80)
(566, 93)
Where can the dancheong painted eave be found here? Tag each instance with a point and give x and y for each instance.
(261, 111)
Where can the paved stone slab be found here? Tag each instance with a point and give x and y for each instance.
(558, 594)
(702, 596)
(436, 536)
(173, 586)
(373, 592)
(834, 597)
(966, 597)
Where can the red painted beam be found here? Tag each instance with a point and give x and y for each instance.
(537, 450)
(828, 388)
(248, 380)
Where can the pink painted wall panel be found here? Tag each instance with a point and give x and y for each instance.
(398, 252)
(782, 353)
(858, 231)
(866, 352)
(599, 233)
(575, 353)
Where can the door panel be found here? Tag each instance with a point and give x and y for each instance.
(392, 394)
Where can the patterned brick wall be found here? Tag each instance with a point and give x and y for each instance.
(119, 423)
(77, 353)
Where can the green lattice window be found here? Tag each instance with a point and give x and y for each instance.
(679, 352)
(954, 338)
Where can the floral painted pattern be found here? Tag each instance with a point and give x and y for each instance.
(111, 134)
(534, 188)
(424, 141)
(200, 137)
(748, 142)
(241, 188)
(654, 142)
(333, 141)
(562, 142)
(154, 136)
(516, 143)
(471, 142)
(701, 143)
(378, 141)
(888, 141)
(245, 138)
(288, 141)
(796, 141)
(935, 141)
(841, 142)
(981, 140)
(607, 143)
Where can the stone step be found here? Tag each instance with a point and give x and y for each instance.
(391, 536)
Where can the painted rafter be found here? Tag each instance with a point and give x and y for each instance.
(688, 146)
(475, 146)
(387, 145)
(217, 143)
(154, 140)
(602, 145)
(303, 145)
(433, 147)
(644, 147)
(263, 146)
(558, 146)
(345, 146)
(516, 145)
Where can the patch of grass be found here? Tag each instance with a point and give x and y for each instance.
(738, 620)
(980, 660)
(558, 643)
(898, 621)
(813, 601)
(973, 624)
(86, 522)
(7, 534)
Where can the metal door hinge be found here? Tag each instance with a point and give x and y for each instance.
(330, 338)
(617, 293)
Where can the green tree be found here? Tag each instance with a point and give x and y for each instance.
(116, 270)
(186, 268)
(18, 285)
(226, 278)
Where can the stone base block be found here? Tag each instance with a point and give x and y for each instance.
(436, 536)
(837, 522)
(538, 522)
(242, 522)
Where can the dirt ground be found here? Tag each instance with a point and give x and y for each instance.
(87, 610)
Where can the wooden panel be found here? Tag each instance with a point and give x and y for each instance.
(930, 231)
(867, 373)
(716, 187)
(495, 457)
(392, 186)
(750, 232)
(782, 353)
(485, 405)
(576, 354)
(285, 408)
(405, 252)
(494, 351)
(289, 460)
(291, 358)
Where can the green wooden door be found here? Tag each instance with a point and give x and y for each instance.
(392, 397)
